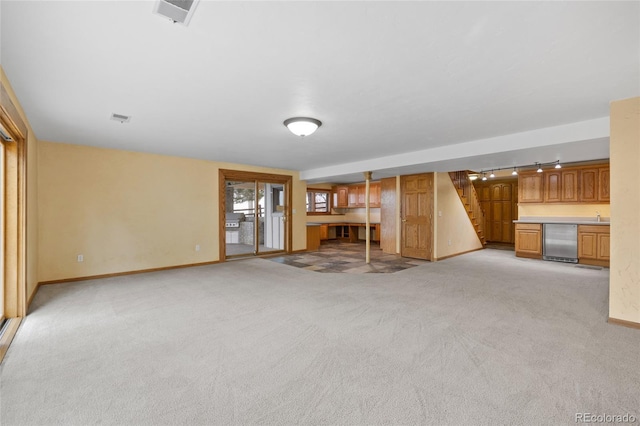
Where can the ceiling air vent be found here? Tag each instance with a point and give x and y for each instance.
(121, 118)
(179, 11)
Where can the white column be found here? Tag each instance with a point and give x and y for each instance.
(367, 176)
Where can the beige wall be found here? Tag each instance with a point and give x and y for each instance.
(32, 195)
(624, 285)
(563, 210)
(453, 230)
(127, 211)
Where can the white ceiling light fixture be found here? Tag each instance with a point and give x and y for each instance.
(179, 11)
(302, 126)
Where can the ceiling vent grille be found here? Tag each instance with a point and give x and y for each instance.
(179, 11)
(121, 118)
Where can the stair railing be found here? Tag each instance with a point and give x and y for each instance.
(468, 192)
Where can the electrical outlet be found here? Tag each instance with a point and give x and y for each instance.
(439, 213)
(449, 241)
(197, 247)
(80, 258)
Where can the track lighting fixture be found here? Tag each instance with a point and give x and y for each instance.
(537, 165)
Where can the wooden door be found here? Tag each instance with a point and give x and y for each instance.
(501, 215)
(388, 215)
(417, 216)
(484, 193)
(498, 202)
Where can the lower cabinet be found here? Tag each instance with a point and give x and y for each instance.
(529, 240)
(593, 244)
(313, 238)
(324, 232)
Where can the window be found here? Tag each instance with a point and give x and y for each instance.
(318, 201)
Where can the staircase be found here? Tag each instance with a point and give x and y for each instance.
(469, 199)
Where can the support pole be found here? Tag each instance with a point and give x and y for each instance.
(367, 176)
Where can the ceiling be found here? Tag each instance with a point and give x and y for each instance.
(399, 86)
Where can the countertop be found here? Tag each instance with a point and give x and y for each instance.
(341, 223)
(569, 220)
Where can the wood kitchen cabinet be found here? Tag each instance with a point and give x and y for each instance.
(561, 186)
(529, 240)
(594, 185)
(589, 185)
(313, 238)
(341, 196)
(324, 232)
(530, 187)
(594, 244)
(374, 194)
(580, 184)
(603, 184)
(569, 190)
(552, 187)
(354, 196)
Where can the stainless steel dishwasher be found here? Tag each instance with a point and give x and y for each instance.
(560, 242)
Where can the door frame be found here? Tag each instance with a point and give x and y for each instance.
(240, 175)
(14, 225)
(430, 208)
(14, 205)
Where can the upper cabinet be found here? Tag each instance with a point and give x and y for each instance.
(341, 196)
(530, 187)
(569, 186)
(603, 184)
(587, 184)
(352, 196)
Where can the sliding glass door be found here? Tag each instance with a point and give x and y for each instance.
(255, 214)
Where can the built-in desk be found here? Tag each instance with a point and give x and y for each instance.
(341, 230)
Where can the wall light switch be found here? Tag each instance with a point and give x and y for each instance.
(80, 258)
(197, 247)
(439, 213)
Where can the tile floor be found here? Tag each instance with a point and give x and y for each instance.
(345, 257)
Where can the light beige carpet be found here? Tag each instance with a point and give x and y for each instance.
(483, 338)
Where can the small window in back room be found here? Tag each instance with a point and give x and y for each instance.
(318, 201)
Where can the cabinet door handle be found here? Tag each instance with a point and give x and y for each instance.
(404, 220)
